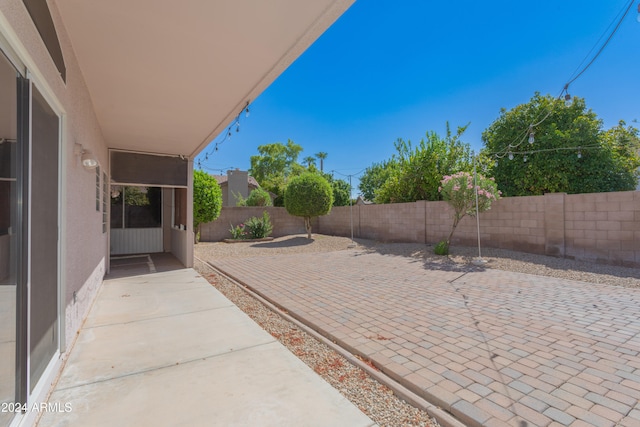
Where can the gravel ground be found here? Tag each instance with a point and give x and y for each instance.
(459, 258)
(373, 398)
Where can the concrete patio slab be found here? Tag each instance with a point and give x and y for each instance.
(491, 347)
(186, 357)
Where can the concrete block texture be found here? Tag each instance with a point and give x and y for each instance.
(603, 227)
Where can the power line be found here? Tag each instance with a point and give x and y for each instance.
(615, 29)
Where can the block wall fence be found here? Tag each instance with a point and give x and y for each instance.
(600, 227)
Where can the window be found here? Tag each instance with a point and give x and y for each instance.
(136, 207)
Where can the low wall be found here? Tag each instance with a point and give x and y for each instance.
(600, 227)
(283, 223)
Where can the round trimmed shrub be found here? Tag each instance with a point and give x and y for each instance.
(308, 195)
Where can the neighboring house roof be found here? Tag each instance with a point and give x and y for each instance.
(362, 201)
(224, 179)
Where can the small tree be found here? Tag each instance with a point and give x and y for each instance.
(460, 192)
(308, 195)
(207, 200)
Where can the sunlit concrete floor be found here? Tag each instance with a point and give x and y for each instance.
(167, 349)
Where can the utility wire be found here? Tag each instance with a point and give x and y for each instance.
(574, 76)
(601, 47)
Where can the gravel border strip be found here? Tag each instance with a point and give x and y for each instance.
(438, 416)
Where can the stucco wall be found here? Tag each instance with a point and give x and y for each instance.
(602, 227)
(84, 245)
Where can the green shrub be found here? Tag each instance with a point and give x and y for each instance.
(258, 228)
(253, 228)
(257, 197)
(238, 232)
(441, 248)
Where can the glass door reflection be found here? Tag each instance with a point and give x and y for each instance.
(9, 234)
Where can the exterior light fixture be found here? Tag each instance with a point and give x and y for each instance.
(88, 160)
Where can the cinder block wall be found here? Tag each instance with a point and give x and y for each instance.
(283, 223)
(511, 223)
(602, 227)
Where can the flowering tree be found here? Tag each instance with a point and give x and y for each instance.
(459, 191)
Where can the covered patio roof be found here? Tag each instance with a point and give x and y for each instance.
(167, 77)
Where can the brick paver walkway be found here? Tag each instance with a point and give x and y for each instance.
(493, 348)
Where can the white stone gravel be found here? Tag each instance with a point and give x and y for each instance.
(373, 398)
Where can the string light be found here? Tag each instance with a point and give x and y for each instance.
(525, 154)
(228, 134)
(564, 95)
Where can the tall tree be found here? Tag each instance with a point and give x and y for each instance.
(321, 156)
(375, 176)
(416, 172)
(568, 153)
(273, 166)
(309, 160)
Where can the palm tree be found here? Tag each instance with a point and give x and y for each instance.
(321, 155)
(309, 160)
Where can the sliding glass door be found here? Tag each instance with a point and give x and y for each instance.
(29, 246)
(10, 235)
(43, 300)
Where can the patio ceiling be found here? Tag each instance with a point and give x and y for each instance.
(168, 76)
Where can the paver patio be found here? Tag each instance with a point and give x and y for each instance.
(492, 347)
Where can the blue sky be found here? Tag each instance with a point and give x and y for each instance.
(388, 70)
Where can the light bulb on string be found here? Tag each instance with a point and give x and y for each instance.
(510, 156)
(579, 154)
(237, 126)
(246, 111)
(525, 158)
(567, 100)
(531, 138)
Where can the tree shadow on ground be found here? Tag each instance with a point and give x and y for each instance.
(461, 257)
(294, 241)
(419, 252)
